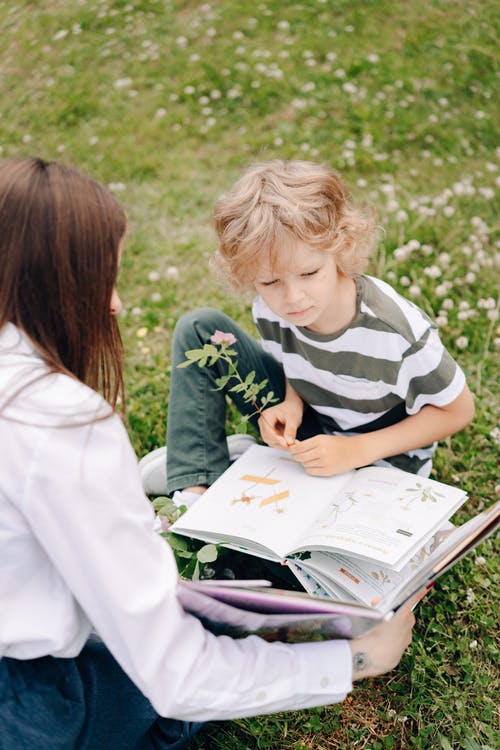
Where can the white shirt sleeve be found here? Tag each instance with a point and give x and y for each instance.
(85, 505)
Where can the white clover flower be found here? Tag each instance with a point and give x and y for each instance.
(215, 94)
(487, 193)
(473, 645)
(161, 112)
(154, 276)
(387, 188)
(470, 277)
(339, 73)
(441, 321)
(141, 332)
(61, 34)
(401, 217)
(117, 187)
(299, 103)
(373, 57)
(401, 253)
(172, 273)
(479, 114)
(349, 88)
(448, 304)
(361, 182)
(414, 290)
(492, 315)
(444, 259)
(463, 305)
(156, 297)
(278, 141)
(283, 25)
(480, 560)
(189, 89)
(470, 596)
(448, 211)
(181, 41)
(26, 138)
(461, 342)
(433, 272)
(93, 140)
(426, 249)
(404, 281)
(331, 56)
(122, 83)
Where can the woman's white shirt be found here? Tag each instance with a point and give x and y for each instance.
(78, 552)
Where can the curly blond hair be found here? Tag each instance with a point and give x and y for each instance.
(277, 203)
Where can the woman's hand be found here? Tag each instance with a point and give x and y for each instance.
(382, 648)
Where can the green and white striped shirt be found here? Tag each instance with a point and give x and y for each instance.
(385, 365)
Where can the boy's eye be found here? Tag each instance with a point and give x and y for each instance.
(311, 273)
(269, 283)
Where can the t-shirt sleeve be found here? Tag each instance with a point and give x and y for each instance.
(429, 374)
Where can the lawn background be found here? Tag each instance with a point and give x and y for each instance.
(166, 103)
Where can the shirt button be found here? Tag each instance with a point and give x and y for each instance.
(324, 682)
(261, 696)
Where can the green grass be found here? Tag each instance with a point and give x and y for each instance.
(167, 102)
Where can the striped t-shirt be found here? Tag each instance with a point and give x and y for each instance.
(385, 365)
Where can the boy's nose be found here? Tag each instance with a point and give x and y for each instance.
(293, 293)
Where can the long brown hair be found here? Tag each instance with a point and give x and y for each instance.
(60, 235)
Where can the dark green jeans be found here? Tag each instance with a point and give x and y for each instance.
(196, 438)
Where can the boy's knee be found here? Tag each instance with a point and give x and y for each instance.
(198, 325)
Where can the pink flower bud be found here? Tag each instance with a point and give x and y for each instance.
(220, 337)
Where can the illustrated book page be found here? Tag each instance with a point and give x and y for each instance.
(266, 504)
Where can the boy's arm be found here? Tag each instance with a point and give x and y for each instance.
(324, 455)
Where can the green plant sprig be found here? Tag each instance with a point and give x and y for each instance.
(220, 349)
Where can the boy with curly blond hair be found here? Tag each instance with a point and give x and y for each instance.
(361, 373)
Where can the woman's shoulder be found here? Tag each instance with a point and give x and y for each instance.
(32, 394)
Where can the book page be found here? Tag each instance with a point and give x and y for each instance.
(367, 582)
(262, 503)
(383, 514)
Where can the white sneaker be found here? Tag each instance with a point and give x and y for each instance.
(153, 466)
(153, 472)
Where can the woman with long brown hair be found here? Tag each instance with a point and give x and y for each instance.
(95, 647)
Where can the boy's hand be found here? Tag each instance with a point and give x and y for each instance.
(278, 425)
(325, 455)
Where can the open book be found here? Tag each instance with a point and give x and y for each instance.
(240, 608)
(363, 536)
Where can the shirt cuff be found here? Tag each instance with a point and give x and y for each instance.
(327, 667)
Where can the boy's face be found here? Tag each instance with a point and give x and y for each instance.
(305, 288)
